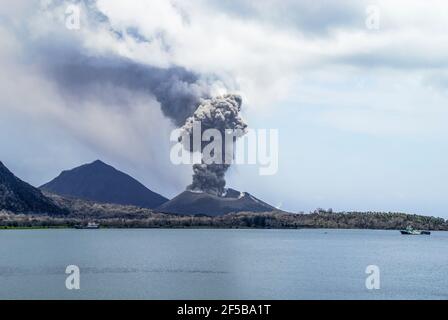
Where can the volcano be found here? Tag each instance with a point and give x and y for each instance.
(19, 197)
(100, 182)
(202, 203)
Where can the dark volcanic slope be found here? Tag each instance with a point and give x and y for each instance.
(189, 202)
(20, 197)
(100, 182)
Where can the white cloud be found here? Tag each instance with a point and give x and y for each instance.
(264, 59)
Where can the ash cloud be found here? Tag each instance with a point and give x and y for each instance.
(184, 96)
(221, 113)
(177, 89)
(81, 73)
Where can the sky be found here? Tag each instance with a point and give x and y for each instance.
(356, 89)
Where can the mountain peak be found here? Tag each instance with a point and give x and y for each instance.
(100, 182)
(99, 163)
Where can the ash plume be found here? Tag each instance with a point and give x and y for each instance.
(179, 91)
(220, 113)
(113, 81)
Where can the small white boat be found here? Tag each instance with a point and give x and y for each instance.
(90, 225)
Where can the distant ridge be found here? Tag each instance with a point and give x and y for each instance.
(100, 182)
(193, 203)
(19, 197)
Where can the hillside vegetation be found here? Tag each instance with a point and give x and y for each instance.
(117, 216)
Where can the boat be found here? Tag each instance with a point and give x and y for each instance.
(90, 225)
(411, 231)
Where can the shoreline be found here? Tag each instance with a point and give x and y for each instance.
(3, 228)
(147, 219)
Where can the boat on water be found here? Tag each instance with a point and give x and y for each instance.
(90, 225)
(411, 231)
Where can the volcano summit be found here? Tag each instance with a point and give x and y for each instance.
(203, 203)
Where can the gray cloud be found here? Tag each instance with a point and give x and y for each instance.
(309, 17)
(177, 89)
(80, 76)
(393, 58)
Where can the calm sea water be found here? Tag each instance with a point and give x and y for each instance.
(222, 264)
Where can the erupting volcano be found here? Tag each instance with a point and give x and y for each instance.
(222, 114)
(207, 194)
